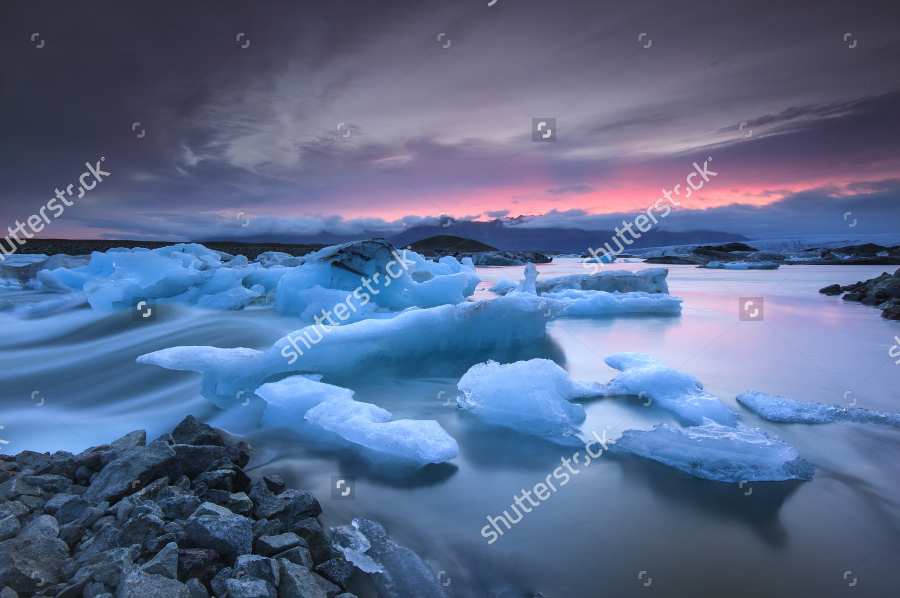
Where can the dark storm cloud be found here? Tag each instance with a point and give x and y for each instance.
(255, 129)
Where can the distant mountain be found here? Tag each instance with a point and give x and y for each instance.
(505, 237)
(450, 243)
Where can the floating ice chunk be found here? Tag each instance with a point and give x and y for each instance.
(676, 391)
(297, 398)
(780, 409)
(404, 574)
(598, 303)
(742, 265)
(606, 258)
(497, 323)
(349, 540)
(652, 280)
(719, 453)
(529, 396)
(503, 287)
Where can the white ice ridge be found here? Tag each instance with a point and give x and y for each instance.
(742, 265)
(651, 280)
(297, 398)
(497, 323)
(378, 280)
(676, 391)
(720, 453)
(529, 396)
(780, 409)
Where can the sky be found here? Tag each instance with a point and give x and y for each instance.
(339, 116)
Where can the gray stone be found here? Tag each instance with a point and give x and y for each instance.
(196, 589)
(130, 440)
(269, 545)
(165, 563)
(48, 482)
(13, 508)
(32, 460)
(15, 488)
(257, 567)
(218, 582)
(191, 431)
(213, 526)
(90, 516)
(235, 502)
(33, 559)
(287, 507)
(112, 566)
(139, 464)
(9, 526)
(138, 584)
(297, 555)
(95, 589)
(179, 507)
(299, 582)
(336, 570)
(193, 460)
(71, 510)
(71, 534)
(249, 588)
(275, 484)
(63, 463)
(319, 544)
(197, 562)
(58, 501)
(8, 592)
(141, 530)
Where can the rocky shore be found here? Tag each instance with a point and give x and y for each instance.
(868, 254)
(882, 291)
(178, 518)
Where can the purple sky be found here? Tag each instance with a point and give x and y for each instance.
(231, 129)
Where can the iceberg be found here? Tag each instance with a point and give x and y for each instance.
(496, 323)
(676, 391)
(348, 540)
(719, 453)
(297, 398)
(503, 287)
(404, 574)
(529, 396)
(593, 303)
(742, 265)
(780, 409)
(651, 280)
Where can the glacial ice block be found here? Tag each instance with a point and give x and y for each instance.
(297, 398)
(529, 396)
(742, 266)
(601, 303)
(780, 409)
(404, 573)
(719, 453)
(651, 280)
(496, 323)
(350, 541)
(676, 391)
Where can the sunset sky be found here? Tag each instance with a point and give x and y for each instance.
(435, 129)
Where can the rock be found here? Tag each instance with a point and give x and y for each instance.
(8, 592)
(89, 516)
(63, 463)
(212, 526)
(320, 547)
(297, 555)
(336, 570)
(266, 527)
(274, 483)
(32, 460)
(165, 563)
(9, 526)
(218, 582)
(58, 501)
(83, 474)
(196, 589)
(48, 482)
(140, 530)
(14, 509)
(891, 313)
(287, 507)
(132, 467)
(269, 545)
(299, 582)
(71, 510)
(197, 563)
(32, 560)
(138, 584)
(191, 431)
(130, 440)
(249, 588)
(15, 488)
(95, 589)
(834, 289)
(193, 460)
(71, 534)
(179, 507)
(257, 567)
(238, 502)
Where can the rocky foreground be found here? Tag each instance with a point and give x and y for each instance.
(175, 518)
(882, 291)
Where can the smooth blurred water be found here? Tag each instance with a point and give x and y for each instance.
(613, 520)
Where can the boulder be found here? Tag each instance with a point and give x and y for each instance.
(257, 567)
(269, 545)
(215, 527)
(197, 563)
(33, 558)
(299, 582)
(132, 468)
(194, 432)
(834, 289)
(336, 570)
(165, 563)
(139, 584)
(249, 588)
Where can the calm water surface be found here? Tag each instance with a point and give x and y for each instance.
(614, 520)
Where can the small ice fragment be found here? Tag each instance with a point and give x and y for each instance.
(781, 409)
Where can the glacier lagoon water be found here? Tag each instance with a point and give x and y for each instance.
(614, 520)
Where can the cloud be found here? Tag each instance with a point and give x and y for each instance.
(575, 189)
(498, 213)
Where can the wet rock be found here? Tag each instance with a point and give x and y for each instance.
(274, 483)
(288, 506)
(132, 467)
(299, 582)
(215, 527)
(336, 570)
(297, 555)
(194, 432)
(269, 545)
(320, 547)
(891, 313)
